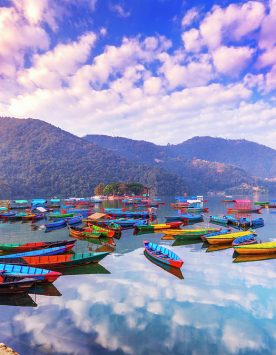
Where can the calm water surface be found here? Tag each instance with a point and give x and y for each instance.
(128, 305)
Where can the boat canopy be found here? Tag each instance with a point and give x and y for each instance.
(38, 200)
(55, 200)
(21, 201)
(96, 216)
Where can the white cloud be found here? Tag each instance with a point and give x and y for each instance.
(18, 37)
(120, 10)
(50, 68)
(231, 60)
(190, 16)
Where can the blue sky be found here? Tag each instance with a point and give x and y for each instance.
(162, 70)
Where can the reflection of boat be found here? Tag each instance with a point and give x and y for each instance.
(246, 258)
(162, 254)
(179, 242)
(16, 286)
(172, 270)
(45, 289)
(20, 299)
(85, 270)
(253, 249)
(212, 248)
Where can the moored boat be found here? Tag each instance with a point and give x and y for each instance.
(224, 238)
(162, 254)
(245, 240)
(27, 271)
(60, 261)
(60, 215)
(191, 232)
(260, 248)
(39, 252)
(158, 227)
(22, 247)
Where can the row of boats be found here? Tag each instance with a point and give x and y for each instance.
(23, 264)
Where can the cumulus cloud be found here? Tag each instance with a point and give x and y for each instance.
(50, 68)
(17, 37)
(231, 60)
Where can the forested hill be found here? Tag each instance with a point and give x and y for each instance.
(38, 159)
(198, 174)
(255, 159)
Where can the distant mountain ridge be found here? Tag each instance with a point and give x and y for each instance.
(38, 159)
(198, 174)
(256, 159)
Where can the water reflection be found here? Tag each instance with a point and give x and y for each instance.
(130, 305)
(20, 299)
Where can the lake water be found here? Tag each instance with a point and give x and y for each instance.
(128, 305)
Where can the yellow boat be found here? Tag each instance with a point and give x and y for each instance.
(191, 232)
(253, 249)
(225, 238)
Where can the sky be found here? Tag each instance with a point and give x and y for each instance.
(157, 70)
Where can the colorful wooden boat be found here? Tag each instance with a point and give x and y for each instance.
(82, 233)
(157, 227)
(27, 271)
(46, 251)
(60, 261)
(245, 240)
(224, 238)
(28, 217)
(162, 254)
(250, 210)
(18, 286)
(261, 248)
(23, 247)
(170, 269)
(191, 232)
(103, 231)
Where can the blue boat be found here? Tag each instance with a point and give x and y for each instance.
(125, 222)
(246, 239)
(7, 214)
(162, 254)
(40, 252)
(74, 221)
(20, 271)
(219, 219)
(61, 223)
(190, 218)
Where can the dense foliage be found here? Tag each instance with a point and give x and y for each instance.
(122, 188)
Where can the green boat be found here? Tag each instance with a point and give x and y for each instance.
(61, 215)
(261, 203)
(60, 260)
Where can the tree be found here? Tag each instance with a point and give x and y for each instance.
(99, 189)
